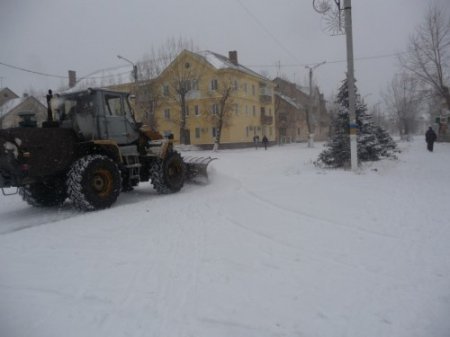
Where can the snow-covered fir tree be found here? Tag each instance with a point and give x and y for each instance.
(373, 141)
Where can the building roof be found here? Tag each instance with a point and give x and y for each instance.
(13, 103)
(289, 100)
(103, 78)
(10, 105)
(222, 62)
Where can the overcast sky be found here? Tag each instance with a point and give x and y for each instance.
(275, 37)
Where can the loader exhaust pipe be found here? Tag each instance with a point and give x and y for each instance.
(50, 123)
(49, 106)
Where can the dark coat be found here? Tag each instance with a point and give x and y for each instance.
(430, 136)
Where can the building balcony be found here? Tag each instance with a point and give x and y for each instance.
(265, 95)
(266, 120)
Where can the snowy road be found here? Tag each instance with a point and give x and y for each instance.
(271, 247)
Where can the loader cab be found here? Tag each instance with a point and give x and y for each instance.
(98, 114)
(118, 123)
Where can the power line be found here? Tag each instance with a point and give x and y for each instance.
(90, 75)
(364, 58)
(32, 71)
(66, 77)
(266, 30)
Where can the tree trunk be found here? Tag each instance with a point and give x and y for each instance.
(446, 94)
(183, 120)
(310, 131)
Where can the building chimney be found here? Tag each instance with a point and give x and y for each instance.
(72, 78)
(233, 56)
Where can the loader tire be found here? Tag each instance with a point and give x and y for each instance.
(93, 182)
(167, 175)
(44, 194)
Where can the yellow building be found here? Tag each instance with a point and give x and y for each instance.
(196, 89)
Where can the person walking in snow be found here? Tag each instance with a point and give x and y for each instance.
(430, 138)
(265, 141)
(255, 141)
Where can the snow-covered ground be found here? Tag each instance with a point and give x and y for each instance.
(271, 247)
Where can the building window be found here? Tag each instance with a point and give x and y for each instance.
(253, 90)
(197, 132)
(214, 84)
(165, 90)
(214, 132)
(186, 85)
(244, 87)
(194, 84)
(254, 111)
(236, 109)
(186, 110)
(215, 109)
(196, 110)
(235, 85)
(166, 113)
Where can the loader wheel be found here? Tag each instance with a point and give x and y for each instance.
(168, 174)
(93, 182)
(44, 194)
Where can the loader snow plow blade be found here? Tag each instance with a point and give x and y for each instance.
(197, 168)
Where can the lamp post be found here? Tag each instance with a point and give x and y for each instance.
(351, 84)
(135, 73)
(311, 103)
(323, 7)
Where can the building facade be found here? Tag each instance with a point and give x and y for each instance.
(291, 106)
(201, 94)
(17, 109)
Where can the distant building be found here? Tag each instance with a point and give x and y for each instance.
(291, 105)
(14, 109)
(6, 94)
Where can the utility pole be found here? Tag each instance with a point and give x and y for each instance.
(136, 89)
(351, 84)
(135, 72)
(324, 7)
(309, 111)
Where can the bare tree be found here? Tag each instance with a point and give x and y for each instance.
(153, 63)
(183, 78)
(428, 54)
(221, 118)
(403, 100)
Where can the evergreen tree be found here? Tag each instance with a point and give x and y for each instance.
(373, 141)
(388, 145)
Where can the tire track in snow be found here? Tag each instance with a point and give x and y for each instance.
(314, 217)
(305, 253)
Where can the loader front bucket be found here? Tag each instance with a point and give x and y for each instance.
(197, 168)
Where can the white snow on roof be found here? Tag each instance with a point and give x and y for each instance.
(290, 100)
(222, 62)
(103, 78)
(10, 105)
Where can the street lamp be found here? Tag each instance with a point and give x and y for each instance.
(310, 108)
(135, 73)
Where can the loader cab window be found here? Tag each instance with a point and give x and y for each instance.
(127, 109)
(113, 105)
(67, 107)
